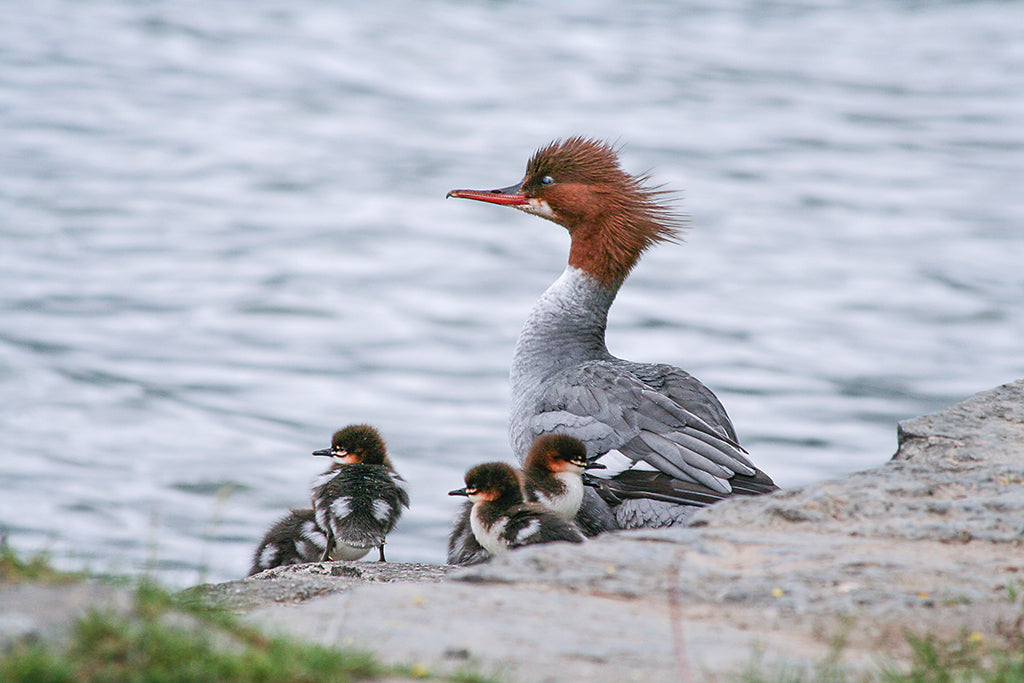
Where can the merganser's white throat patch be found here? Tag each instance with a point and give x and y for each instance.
(538, 207)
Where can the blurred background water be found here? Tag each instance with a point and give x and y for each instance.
(223, 235)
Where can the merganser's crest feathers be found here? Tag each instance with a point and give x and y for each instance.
(613, 217)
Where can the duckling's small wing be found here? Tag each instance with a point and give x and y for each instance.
(528, 525)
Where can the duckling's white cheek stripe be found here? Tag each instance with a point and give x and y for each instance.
(267, 556)
(381, 509)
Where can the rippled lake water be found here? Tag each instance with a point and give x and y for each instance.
(223, 235)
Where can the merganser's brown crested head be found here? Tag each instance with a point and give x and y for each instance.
(558, 453)
(611, 216)
(491, 482)
(357, 444)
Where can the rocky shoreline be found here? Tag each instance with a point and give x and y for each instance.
(836, 571)
(932, 541)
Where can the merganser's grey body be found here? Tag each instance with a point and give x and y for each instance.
(677, 445)
(565, 381)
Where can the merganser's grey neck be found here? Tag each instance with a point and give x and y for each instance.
(565, 328)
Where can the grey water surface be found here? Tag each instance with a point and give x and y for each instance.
(223, 235)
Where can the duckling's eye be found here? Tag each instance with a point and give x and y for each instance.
(547, 180)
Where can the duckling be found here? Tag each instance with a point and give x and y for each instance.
(552, 475)
(501, 519)
(359, 499)
(294, 539)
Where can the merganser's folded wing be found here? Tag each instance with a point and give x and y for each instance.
(671, 421)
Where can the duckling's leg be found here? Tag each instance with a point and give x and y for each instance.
(381, 546)
(330, 546)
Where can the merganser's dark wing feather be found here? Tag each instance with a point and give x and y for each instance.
(652, 413)
(660, 486)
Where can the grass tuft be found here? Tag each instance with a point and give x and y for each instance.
(13, 569)
(168, 638)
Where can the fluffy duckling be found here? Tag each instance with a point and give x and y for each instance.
(501, 520)
(552, 475)
(294, 539)
(359, 499)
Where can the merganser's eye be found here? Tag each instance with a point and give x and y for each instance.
(547, 180)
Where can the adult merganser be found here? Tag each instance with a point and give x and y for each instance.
(501, 520)
(359, 499)
(551, 476)
(641, 419)
(294, 539)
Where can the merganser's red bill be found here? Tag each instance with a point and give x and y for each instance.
(507, 196)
